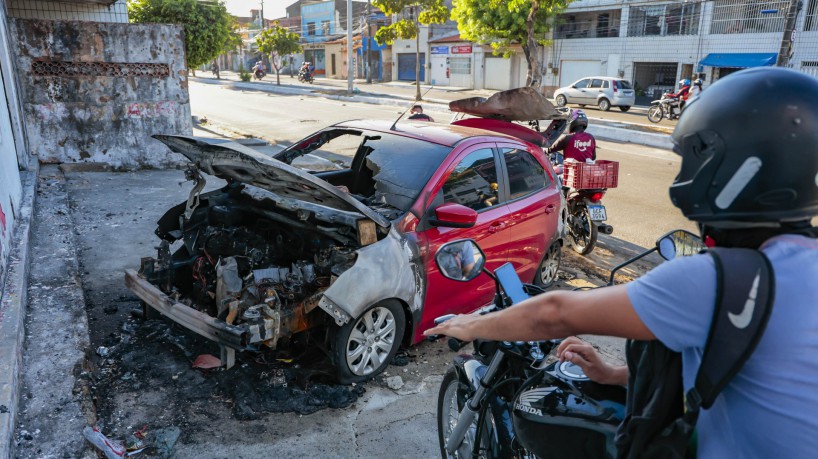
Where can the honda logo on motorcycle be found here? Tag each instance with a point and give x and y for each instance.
(532, 396)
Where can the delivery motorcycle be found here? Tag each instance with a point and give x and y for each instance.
(584, 185)
(509, 399)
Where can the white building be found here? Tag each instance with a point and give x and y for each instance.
(655, 43)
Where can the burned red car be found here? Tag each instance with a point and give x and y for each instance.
(348, 255)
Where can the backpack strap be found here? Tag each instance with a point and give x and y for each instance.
(745, 291)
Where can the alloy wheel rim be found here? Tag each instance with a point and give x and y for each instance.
(370, 341)
(550, 266)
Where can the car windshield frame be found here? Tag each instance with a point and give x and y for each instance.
(401, 165)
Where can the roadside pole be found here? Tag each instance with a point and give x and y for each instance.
(349, 46)
(786, 39)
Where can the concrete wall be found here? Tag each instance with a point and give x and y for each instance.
(38, 9)
(96, 92)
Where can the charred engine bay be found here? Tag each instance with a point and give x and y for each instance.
(245, 261)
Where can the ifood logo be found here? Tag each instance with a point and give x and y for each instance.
(582, 146)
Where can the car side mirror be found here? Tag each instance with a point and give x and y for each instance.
(679, 243)
(460, 260)
(453, 215)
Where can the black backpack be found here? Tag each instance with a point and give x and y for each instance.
(660, 417)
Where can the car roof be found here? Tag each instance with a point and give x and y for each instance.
(442, 134)
(602, 78)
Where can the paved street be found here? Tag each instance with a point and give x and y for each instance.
(403, 89)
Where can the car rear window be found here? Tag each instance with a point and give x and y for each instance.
(623, 84)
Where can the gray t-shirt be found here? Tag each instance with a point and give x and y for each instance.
(770, 408)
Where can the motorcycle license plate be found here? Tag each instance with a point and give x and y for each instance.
(597, 213)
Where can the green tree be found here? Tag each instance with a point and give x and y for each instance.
(502, 23)
(278, 42)
(207, 24)
(420, 12)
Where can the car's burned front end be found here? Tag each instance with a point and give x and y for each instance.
(252, 265)
(278, 250)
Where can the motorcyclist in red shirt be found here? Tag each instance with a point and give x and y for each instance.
(681, 97)
(576, 144)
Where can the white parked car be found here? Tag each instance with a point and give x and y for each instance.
(604, 92)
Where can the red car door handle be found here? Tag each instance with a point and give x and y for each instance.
(550, 208)
(497, 226)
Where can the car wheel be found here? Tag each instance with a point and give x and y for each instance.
(604, 104)
(365, 345)
(561, 101)
(549, 266)
(624, 108)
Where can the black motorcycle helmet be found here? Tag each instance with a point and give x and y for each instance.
(579, 121)
(749, 148)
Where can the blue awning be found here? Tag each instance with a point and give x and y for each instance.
(739, 60)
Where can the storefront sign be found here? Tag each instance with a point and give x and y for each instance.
(440, 50)
(464, 49)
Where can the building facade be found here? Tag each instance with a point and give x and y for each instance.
(655, 43)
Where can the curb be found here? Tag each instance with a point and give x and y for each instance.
(648, 139)
(13, 311)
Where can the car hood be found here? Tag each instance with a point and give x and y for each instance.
(231, 161)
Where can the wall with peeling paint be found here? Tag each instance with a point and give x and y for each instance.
(96, 92)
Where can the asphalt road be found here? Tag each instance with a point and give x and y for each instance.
(639, 209)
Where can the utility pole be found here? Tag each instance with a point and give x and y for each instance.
(349, 46)
(261, 23)
(368, 47)
(417, 54)
(789, 28)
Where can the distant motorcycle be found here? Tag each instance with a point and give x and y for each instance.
(305, 76)
(258, 74)
(663, 108)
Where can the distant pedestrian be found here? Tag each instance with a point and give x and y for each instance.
(417, 114)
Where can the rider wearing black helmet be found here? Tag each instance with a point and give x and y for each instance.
(749, 178)
(576, 143)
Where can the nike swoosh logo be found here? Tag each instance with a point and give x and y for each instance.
(742, 320)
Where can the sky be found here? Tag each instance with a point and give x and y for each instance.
(272, 8)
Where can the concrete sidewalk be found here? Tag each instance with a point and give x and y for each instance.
(605, 125)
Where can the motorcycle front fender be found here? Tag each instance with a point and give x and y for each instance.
(469, 370)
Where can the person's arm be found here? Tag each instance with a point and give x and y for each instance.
(584, 355)
(560, 143)
(603, 311)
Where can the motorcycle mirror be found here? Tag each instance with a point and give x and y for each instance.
(679, 243)
(461, 260)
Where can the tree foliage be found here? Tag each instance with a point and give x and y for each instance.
(278, 42)
(503, 23)
(207, 24)
(426, 12)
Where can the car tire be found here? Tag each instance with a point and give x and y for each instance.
(547, 271)
(604, 104)
(561, 100)
(624, 108)
(364, 346)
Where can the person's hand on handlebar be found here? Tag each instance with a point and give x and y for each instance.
(456, 327)
(586, 357)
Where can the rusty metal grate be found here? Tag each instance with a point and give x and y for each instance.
(97, 69)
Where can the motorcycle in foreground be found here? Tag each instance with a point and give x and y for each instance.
(508, 399)
(666, 107)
